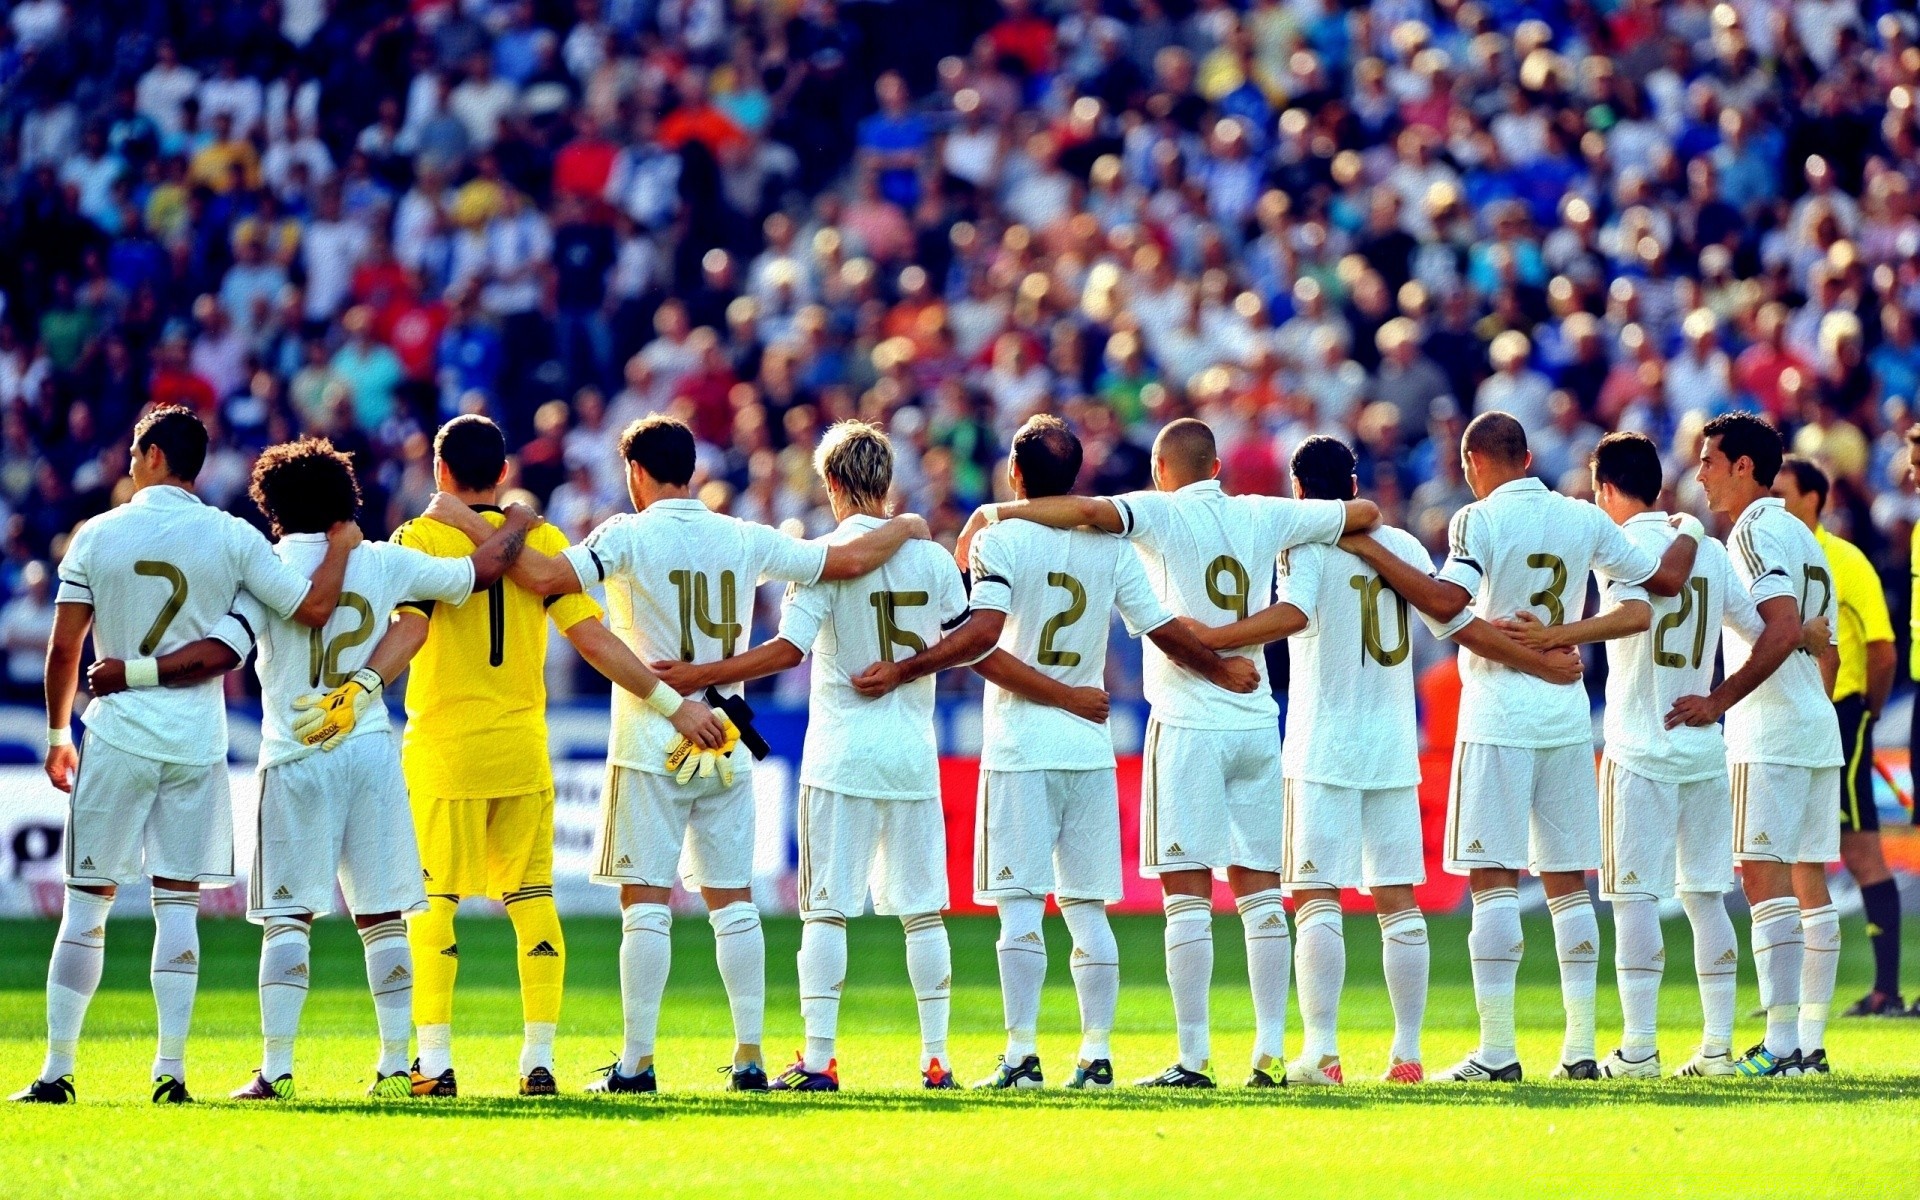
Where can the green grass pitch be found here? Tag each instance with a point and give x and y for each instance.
(1852, 1134)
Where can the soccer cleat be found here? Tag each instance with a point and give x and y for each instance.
(1325, 1073)
(168, 1090)
(1258, 1078)
(432, 1085)
(1762, 1063)
(1707, 1066)
(539, 1082)
(1092, 1076)
(260, 1088)
(1177, 1076)
(1878, 1004)
(611, 1080)
(46, 1091)
(1585, 1068)
(936, 1078)
(1023, 1074)
(1619, 1066)
(1405, 1072)
(748, 1077)
(397, 1086)
(797, 1078)
(1472, 1070)
(1814, 1062)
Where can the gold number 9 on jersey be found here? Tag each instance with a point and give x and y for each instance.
(168, 611)
(1549, 597)
(1233, 597)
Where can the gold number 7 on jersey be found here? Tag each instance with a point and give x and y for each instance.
(169, 610)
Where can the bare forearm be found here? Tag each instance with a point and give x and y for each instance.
(63, 681)
(1675, 565)
(205, 659)
(1489, 643)
(405, 635)
(1622, 620)
(1775, 642)
(1006, 671)
(606, 653)
(868, 552)
(966, 644)
(1270, 624)
(1437, 598)
(323, 591)
(768, 658)
(1180, 644)
(493, 557)
(1064, 512)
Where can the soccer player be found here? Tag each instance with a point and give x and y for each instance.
(1860, 690)
(1211, 781)
(869, 817)
(680, 583)
(1352, 762)
(478, 778)
(325, 816)
(149, 795)
(1047, 818)
(1783, 745)
(1523, 794)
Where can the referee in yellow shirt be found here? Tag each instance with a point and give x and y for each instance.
(1860, 689)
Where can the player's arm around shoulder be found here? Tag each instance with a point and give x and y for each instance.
(1443, 596)
(967, 636)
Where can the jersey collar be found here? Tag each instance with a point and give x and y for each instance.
(1199, 487)
(679, 504)
(1652, 516)
(862, 522)
(300, 538)
(1526, 483)
(164, 493)
(1758, 506)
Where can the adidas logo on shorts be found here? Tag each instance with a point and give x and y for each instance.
(1079, 953)
(86, 864)
(1727, 956)
(1175, 849)
(100, 931)
(946, 985)
(543, 950)
(426, 876)
(1308, 866)
(1272, 920)
(841, 984)
(1761, 839)
(623, 861)
(1630, 877)
(821, 894)
(281, 893)
(1585, 947)
(1660, 955)
(1473, 847)
(1005, 873)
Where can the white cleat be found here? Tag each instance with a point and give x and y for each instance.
(1618, 1066)
(1325, 1073)
(1704, 1065)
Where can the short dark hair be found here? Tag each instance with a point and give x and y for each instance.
(1498, 435)
(1808, 477)
(1631, 463)
(1187, 443)
(663, 446)
(1743, 435)
(474, 450)
(305, 486)
(1324, 467)
(1048, 456)
(181, 437)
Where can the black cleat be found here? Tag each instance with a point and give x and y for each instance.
(1177, 1076)
(752, 1077)
(168, 1090)
(1096, 1074)
(1472, 1070)
(539, 1082)
(1261, 1079)
(46, 1091)
(1023, 1074)
(1879, 1004)
(1814, 1062)
(262, 1088)
(611, 1080)
(1585, 1068)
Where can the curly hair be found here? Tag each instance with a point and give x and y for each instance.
(305, 487)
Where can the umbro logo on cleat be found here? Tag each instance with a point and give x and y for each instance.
(543, 950)
(1005, 873)
(1630, 877)
(1473, 847)
(87, 863)
(395, 976)
(623, 861)
(186, 958)
(1761, 839)
(1175, 849)
(452, 951)
(281, 893)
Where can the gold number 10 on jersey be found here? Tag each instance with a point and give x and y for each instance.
(697, 613)
(1370, 588)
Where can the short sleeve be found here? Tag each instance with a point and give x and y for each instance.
(990, 564)
(1133, 595)
(1409, 550)
(802, 614)
(1298, 582)
(417, 535)
(1143, 515)
(598, 555)
(1302, 522)
(788, 559)
(240, 628)
(951, 603)
(76, 585)
(1738, 611)
(1762, 562)
(418, 576)
(1466, 551)
(1617, 556)
(272, 582)
(568, 609)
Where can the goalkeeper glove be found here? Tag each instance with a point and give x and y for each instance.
(685, 760)
(325, 721)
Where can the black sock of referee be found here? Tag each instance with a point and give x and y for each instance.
(1882, 903)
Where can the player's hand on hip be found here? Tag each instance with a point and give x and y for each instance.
(877, 680)
(62, 763)
(106, 677)
(682, 677)
(1563, 665)
(1239, 674)
(698, 724)
(1530, 631)
(1693, 710)
(1089, 704)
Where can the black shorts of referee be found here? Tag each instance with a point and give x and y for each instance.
(1858, 812)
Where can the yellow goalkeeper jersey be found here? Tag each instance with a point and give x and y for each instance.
(477, 696)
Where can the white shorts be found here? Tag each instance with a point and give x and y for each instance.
(1340, 837)
(1210, 799)
(1036, 832)
(1658, 838)
(647, 820)
(337, 814)
(1785, 814)
(131, 818)
(851, 846)
(1520, 808)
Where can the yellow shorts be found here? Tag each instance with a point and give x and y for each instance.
(485, 847)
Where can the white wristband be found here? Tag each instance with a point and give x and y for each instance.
(993, 513)
(143, 673)
(663, 699)
(1690, 526)
(62, 736)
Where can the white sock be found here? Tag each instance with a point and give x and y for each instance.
(1820, 930)
(1716, 960)
(1405, 960)
(1495, 945)
(175, 974)
(73, 976)
(1576, 940)
(536, 1045)
(1322, 973)
(436, 1049)
(740, 950)
(390, 978)
(1096, 974)
(1639, 958)
(1022, 951)
(823, 973)
(646, 954)
(285, 949)
(930, 970)
(1189, 942)
(1778, 949)
(1263, 922)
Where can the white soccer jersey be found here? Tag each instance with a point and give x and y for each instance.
(1787, 719)
(1056, 587)
(1524, 547)
(160, 571)
(297, 661)
(1351, 717)
(1211, 556)
(1647, 672)
(876, 749)
(680, 582)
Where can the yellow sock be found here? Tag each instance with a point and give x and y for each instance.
(543, 953)
(436, 960)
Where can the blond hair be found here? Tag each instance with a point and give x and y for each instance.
(857, 458)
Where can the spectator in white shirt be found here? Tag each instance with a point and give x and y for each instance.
(165, 87)
(481, 101)
(239, 96)
(25, 625)
(1700, 377)
(331, 248)
(1513, 387)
